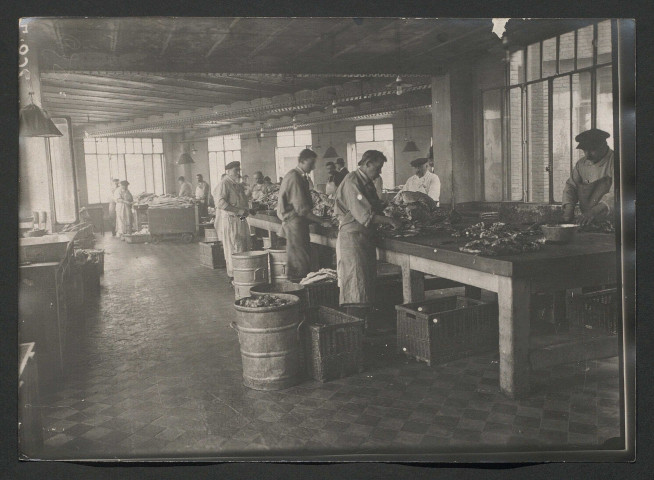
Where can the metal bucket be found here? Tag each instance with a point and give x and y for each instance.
(270, 344)
(278, 260)
(250, 268)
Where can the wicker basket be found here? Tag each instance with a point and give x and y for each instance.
(595, 312)
(317, 294)
(447, 328)
(334, 345)
(212, 255)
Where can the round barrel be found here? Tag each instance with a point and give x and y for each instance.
(250, 268)
(270, 344)
(288, 288)
(278, 259)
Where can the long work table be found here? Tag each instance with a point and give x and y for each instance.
(589, 260)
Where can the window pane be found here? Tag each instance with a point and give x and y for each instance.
(493, 172)
(102, 146)
(63, 175)
(561, 135)
(120, 144)
(538, 137)
(533, 62)
(515, 149)
(383, 132)
(138, 148)
(114, 171)
(92, 187)
(89, 145)
(147, 145)
(517, 65)
(585, 47)
(149, 173)
(581, 107)
(112, 145)
(303, 138)
(213, 170)
(104, 178)
(604, 42)
(129, 145)
(549, 57)
(285, 139)
(567, 52)
(605, 102)
(233, 142)
(215, 144)
(157, 161)
(157, 145)
(364, 133)
(135, 175)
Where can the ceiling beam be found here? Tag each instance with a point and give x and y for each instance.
(222, 38)
(333, 31)
(110, 107)
(72, 87)
(101, 80)
(269, 39)
(375, 32)
(127, 101)
(148, 96)
(452, 40)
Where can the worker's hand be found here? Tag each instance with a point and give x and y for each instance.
(326, 224)
(242, 212)
(592, 214)
(395, 223)
(568, 213)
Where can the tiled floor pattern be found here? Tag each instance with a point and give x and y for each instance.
(156, 371)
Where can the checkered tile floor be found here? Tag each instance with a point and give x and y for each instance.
(155, 371)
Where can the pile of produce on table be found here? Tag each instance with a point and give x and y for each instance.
(323, 206)
(262, 301)
(78, 227)
(322, 275)
(270, 198)
(419, 214)
(84, 256)
(598, 226)
(500, 239)
(163, 201)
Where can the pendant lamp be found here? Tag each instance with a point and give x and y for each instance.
(411, 147)
(330, 153)
(35, 122)
(185, 158)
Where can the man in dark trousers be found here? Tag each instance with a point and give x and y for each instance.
(294, 209)
(341, 171)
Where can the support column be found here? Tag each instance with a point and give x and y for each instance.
(442, 134)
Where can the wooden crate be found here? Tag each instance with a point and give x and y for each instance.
(444, 329)
(212, 255)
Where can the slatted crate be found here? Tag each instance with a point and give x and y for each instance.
(212, 255)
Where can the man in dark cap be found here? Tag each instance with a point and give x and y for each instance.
(591, 181)
(424, 180)
(232, 203)
(359, 210)
(294, 209)
(341, 171)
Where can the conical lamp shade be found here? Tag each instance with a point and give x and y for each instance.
(35, 122)
(411, 147)
(185, 159)
(330, 153)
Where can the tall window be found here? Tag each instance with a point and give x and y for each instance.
(289, 145)
(374, 137)
(223, 150)
(557, 88)
(137, 160)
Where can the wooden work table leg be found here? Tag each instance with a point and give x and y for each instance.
(514, 297)
(413, 285)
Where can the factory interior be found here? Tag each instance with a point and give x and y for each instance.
(142, 335)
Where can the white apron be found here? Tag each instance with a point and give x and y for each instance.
(235, 237)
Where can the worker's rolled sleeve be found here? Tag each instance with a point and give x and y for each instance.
(570, 190)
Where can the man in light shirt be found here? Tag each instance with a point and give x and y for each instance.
(185, 188)
(591, 181)
(424, 180)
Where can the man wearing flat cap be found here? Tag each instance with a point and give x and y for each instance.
(232, 203)
(424, 180)
(591, 181)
